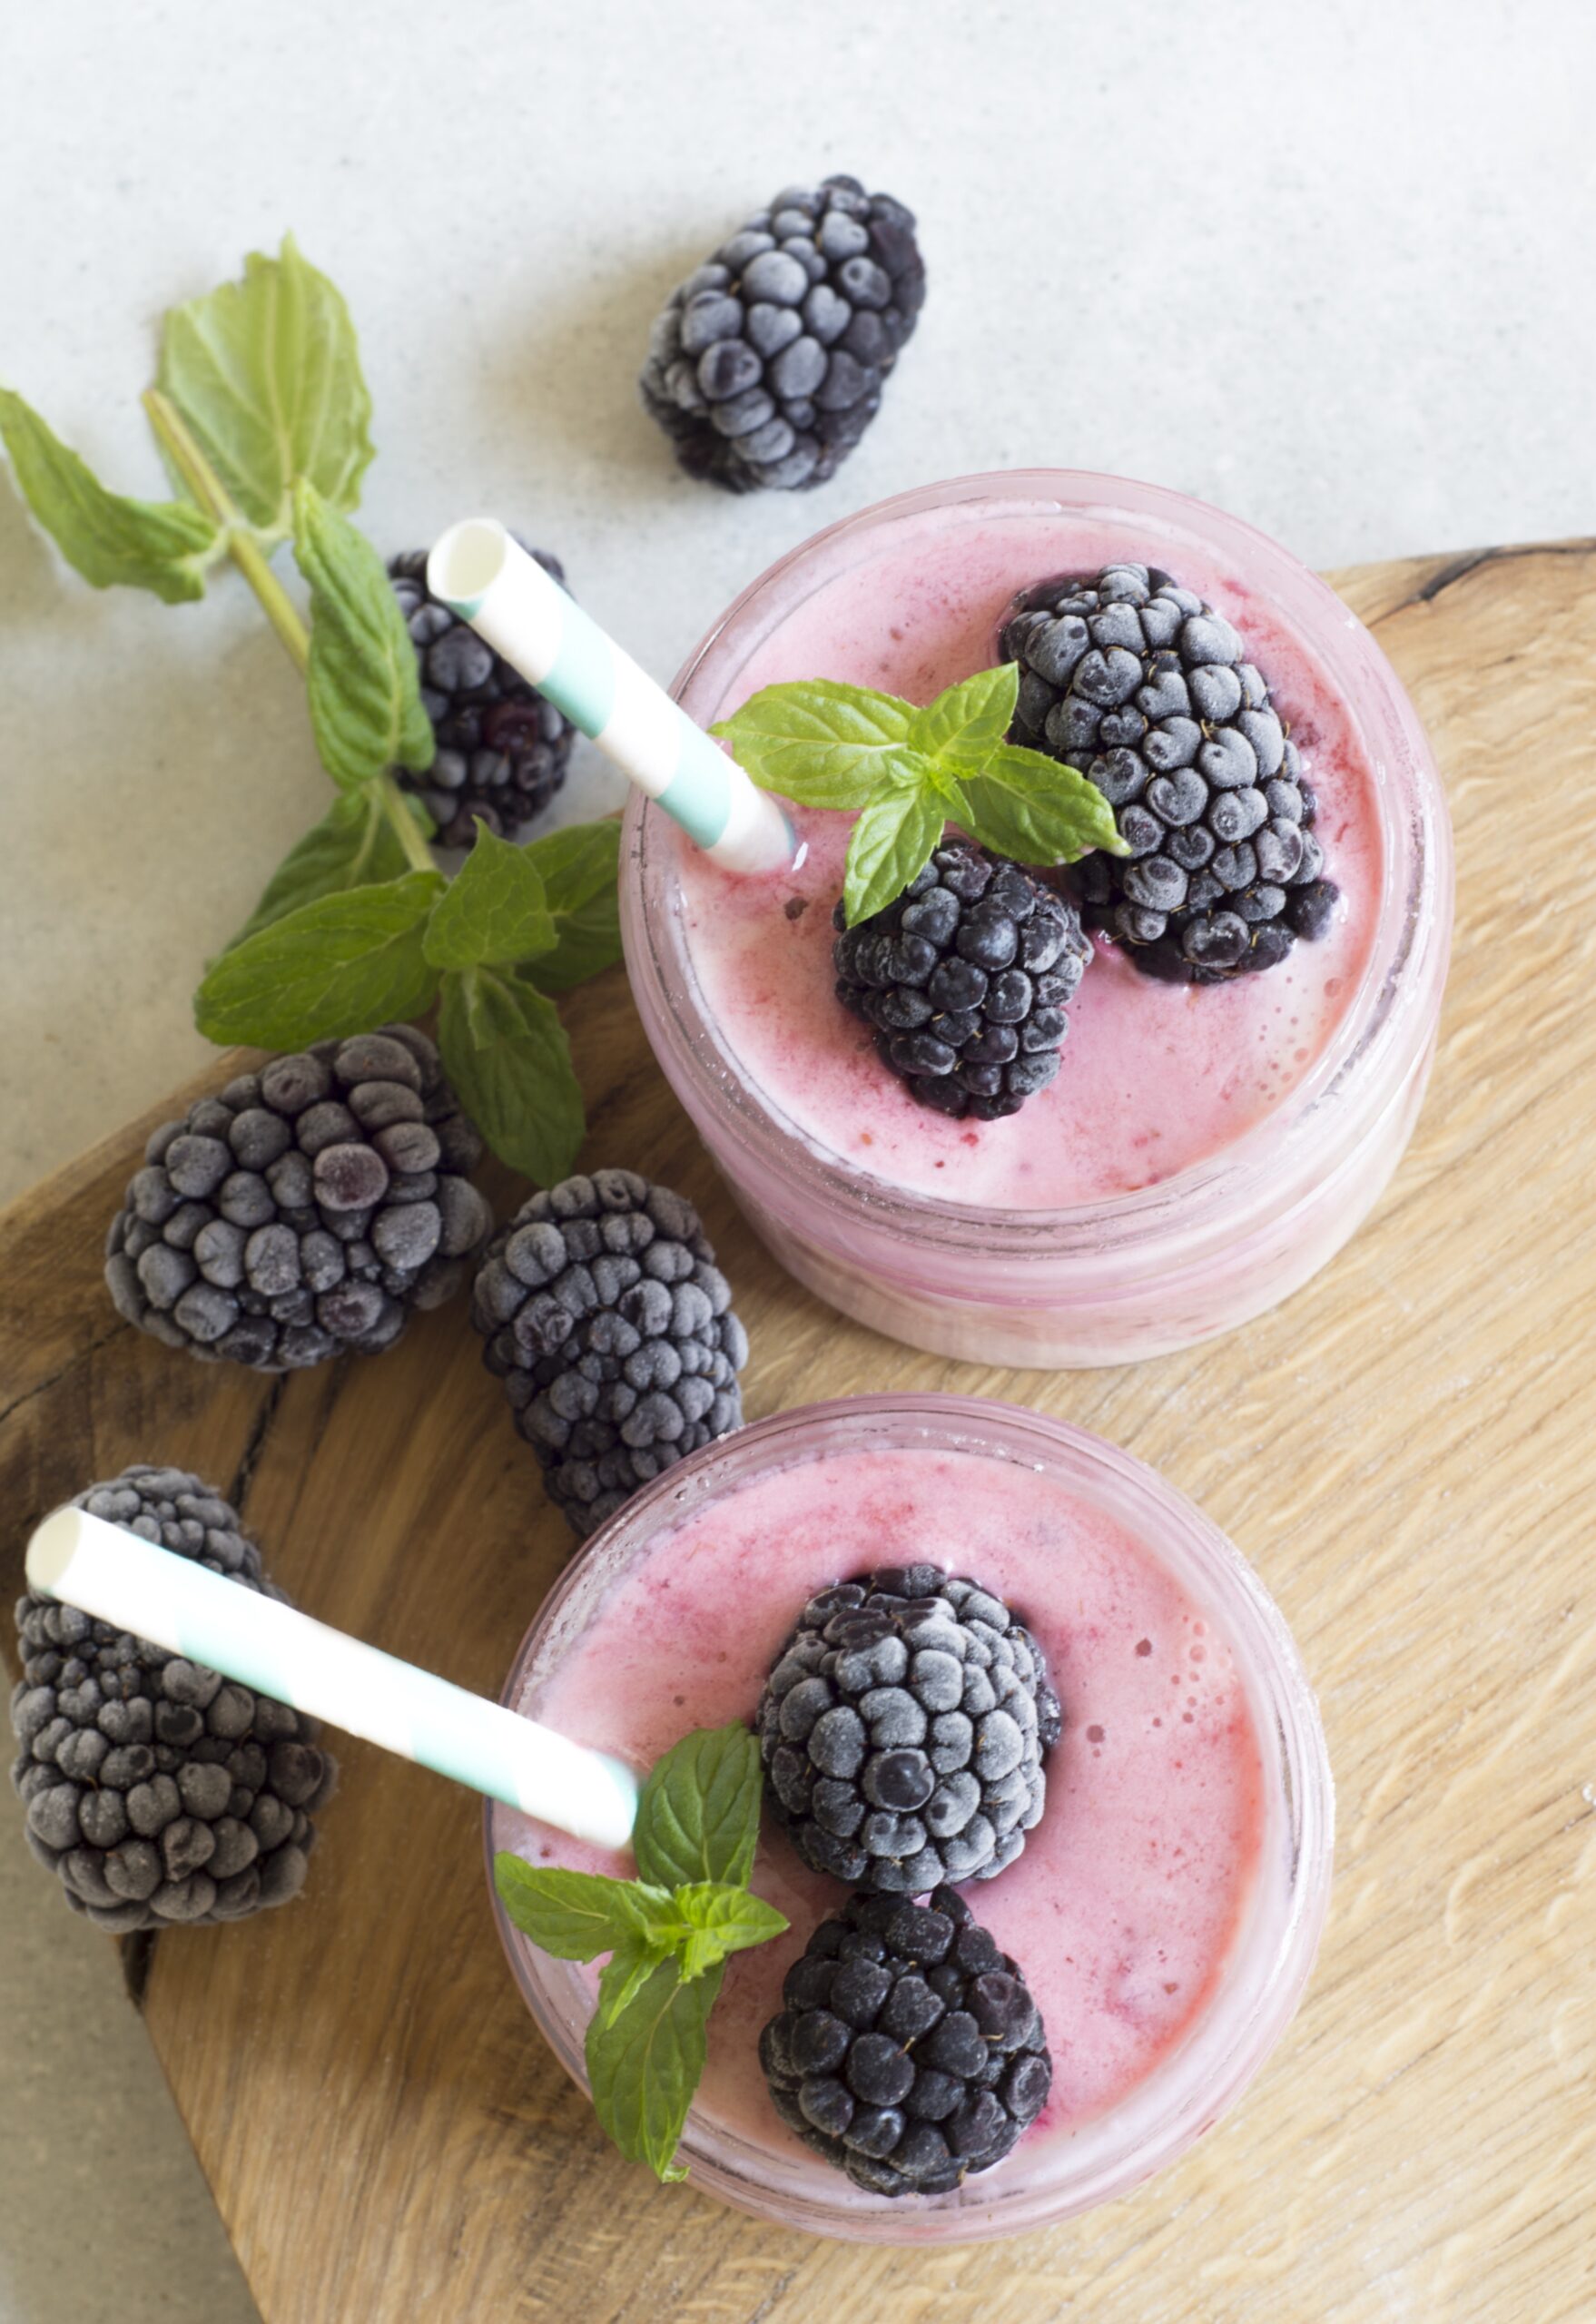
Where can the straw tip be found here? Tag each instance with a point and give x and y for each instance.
(50, 1550)
(465, 562)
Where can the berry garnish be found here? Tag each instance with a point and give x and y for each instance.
(612, 1329)
(910, 2052)
(307, 1208)
(765, 368)
(1144, 686)
(502, 750)
(903, 1731)
(966, 979)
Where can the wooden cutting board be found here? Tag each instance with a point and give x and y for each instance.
(1405, 1449)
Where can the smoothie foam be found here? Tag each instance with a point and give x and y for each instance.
(1155, 1078)
(1125, 1905)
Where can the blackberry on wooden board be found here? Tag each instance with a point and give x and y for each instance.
(612, 1329)
(158, 1792)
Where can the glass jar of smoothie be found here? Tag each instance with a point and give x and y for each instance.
(1165, 1909)
(1205, 1148)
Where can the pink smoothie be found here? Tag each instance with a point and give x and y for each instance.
(1156, 1078)
(1123, 1907)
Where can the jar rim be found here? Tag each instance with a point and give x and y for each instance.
(1405, 964)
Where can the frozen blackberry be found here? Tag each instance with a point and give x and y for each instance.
(765, 368)
(306, 1208)
(903, 1731)
(965, 978)
(157, 1790)
(1148, 690)
(910, 2052)
(502, 749)
(612, 1329)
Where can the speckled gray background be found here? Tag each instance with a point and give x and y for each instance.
(1328, 264)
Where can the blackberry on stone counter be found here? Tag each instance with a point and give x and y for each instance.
(766, 366)
(910, 2052)
(158, 1791)
(1148, 690)
(306, 1208)
(903, 1730)
(502, 749)
(612, 1329)
(965, 978)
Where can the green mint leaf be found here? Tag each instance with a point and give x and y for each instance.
(576, 1915)
(645, 2059)
(579, 866)
(624, 1975)
(1025, 804)
(821, 743)
(891, 845)
(504, 1050)
(967, 723)
(267, 374)
(722, 1919)
(337, 966)
(363, 681)
(161, 546)
(496, 910)
(698, 1815)
(354, 845)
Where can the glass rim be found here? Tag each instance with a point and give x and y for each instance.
(1248, 1170)
(1271, 1953)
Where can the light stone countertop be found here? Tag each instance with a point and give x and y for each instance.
(1330, 267)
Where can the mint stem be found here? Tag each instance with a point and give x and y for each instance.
(243, 547)
(278, 606)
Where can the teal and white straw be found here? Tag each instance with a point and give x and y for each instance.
(120, 1578)
(489, 580)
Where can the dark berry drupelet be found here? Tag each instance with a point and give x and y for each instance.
(158, 1791)
(1148, 690)
(502, 749)
(612, 1329)
(306, 1208)
(965, 978)
(765, 368)
(903, 1731)
(910, 2052)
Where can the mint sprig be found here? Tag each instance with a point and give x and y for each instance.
(262, 418)
(908, 773)
(669, 1935)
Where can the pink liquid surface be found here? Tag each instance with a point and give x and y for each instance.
(1125, 1903)
(1156, 1078)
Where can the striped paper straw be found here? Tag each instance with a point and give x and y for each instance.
(120, 1578)
(489, 580)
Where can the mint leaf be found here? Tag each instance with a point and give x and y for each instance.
(496, 910)
(161, 546)
(504, 1050)
(821, 743)
(576, 1915)
(891, 844)
(579, 866)
(967, 723)
(267, 374)
(363, 683)
(624, 1977)
(644, 2058)
(698, 1815)
(721, 1920)
(337, 966)
(1025, 804)
(354, 845)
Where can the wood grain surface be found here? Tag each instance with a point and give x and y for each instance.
(1405, 1449)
